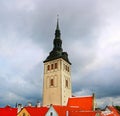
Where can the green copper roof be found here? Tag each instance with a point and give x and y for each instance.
(57, 51)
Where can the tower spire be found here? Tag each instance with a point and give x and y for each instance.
(57, 28)
(57, 51)
(57, 31)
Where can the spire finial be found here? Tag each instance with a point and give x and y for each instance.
(57, 31)
(57, 28)
(57, 16)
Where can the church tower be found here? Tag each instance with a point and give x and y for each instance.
(57, 74)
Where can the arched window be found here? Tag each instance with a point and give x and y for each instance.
(56, 65)
(51, 82)
(48, 67)
(66, 67)
(52, 66)
(51, 114)
(66, 83)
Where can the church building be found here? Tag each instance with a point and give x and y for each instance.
(57, 74)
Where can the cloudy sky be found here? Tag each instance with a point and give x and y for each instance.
(90, 30)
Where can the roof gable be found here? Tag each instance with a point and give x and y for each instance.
(53, 111)
(113, 110)
(34, 111)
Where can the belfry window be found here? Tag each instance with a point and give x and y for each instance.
(51, 66)
(48, 67)
(51, 82)
(68, 69)
(56, 65)
(66, 83)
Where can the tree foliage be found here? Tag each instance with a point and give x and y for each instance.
(118, 108)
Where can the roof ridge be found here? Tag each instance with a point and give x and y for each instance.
(81, 96)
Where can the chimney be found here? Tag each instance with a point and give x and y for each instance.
(29, 104)
(94, 102)
(19, 106)
(38, 104)
(67, 113)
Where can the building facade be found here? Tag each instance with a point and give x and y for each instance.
(57, 74)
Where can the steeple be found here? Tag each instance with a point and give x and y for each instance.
(57, 51)
(57, 73)
(57, 32)
(57, 41)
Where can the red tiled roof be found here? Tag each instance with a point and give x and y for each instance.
(34, 111)
(84, 103)
(111, 111)
(84, 113)
(61, 110)
(114, 111)
(72, 111)
(8, 111)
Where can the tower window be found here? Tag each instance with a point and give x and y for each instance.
(51, 114)
(68, 69)
(56, 65)
(51, 82)
(66, 83)
(48, 67)
(51, 66)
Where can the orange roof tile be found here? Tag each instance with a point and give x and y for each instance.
(84, 103)
(34, 111)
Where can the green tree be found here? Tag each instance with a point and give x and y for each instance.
(118, 108)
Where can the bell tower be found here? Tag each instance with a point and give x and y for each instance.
(57, 74)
